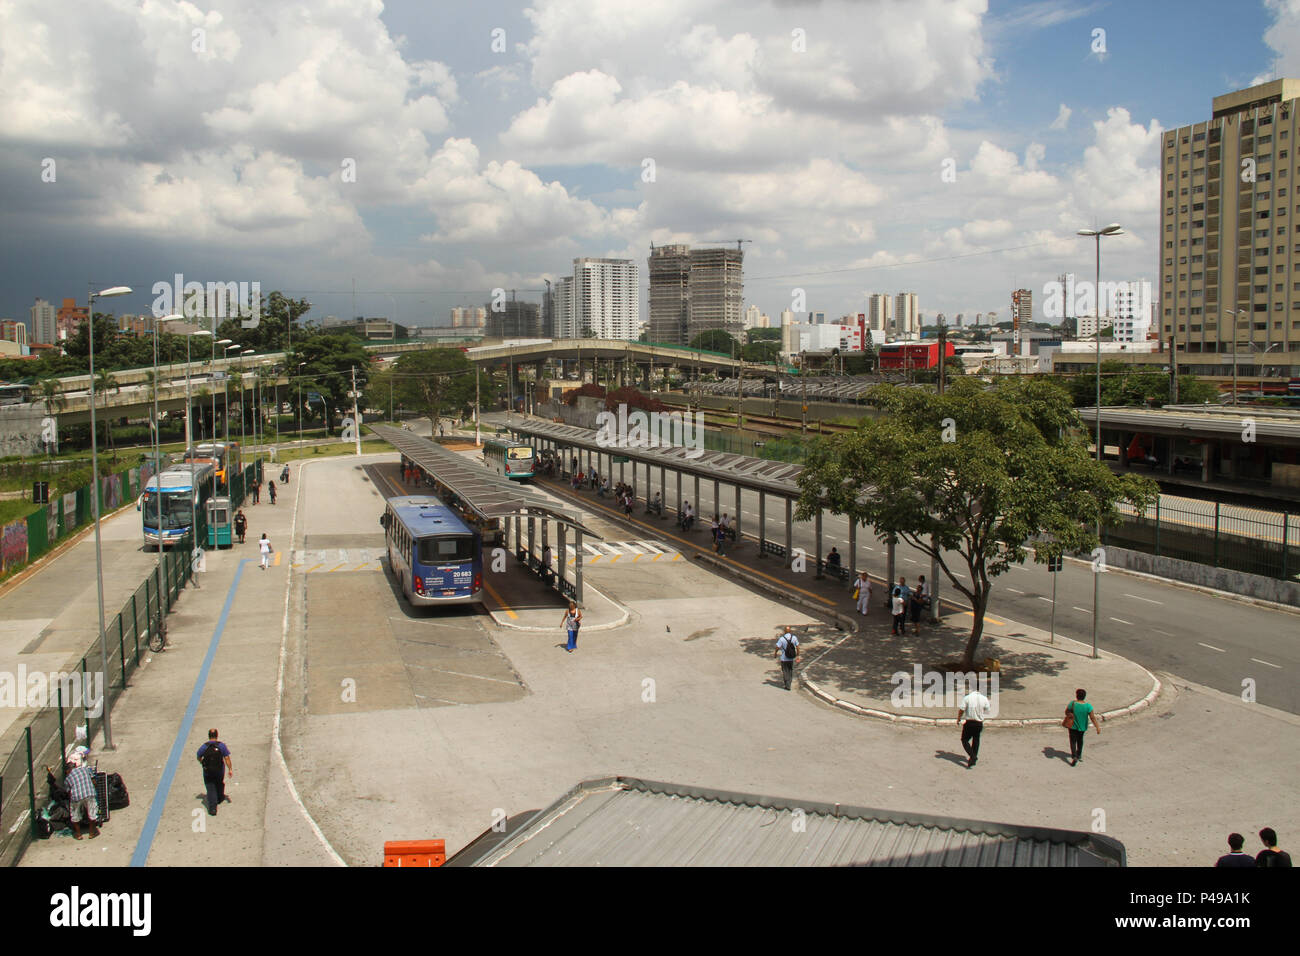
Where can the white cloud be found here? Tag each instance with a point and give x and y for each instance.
(1062, 118)
(1283, 38)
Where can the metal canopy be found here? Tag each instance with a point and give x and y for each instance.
(753, 474)
(487, 495)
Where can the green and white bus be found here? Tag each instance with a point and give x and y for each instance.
(514, 459)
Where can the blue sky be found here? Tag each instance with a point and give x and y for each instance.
(480, 168)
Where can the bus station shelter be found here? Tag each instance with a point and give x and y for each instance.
(494, 504)
(773, 482)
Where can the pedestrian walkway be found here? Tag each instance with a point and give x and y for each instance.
(870, 672)
(220, 669)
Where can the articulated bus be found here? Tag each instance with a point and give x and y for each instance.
(223, 456)
(514, 459)
(437, 557)
(184, 489)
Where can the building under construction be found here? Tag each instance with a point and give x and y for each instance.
(693, 291)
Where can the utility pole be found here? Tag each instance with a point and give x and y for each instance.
(356, 416)
(740, 394)
(943, 354)
(477, 441)
(803, 380)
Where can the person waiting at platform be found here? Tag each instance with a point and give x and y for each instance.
(655, 507)
(833, 562)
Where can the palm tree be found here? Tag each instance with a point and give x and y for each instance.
(105, 382)
(52, 396)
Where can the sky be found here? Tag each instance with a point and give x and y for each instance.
(424, 153)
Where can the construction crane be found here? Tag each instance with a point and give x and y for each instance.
(720, 241)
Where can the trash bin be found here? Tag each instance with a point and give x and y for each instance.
(220, 522)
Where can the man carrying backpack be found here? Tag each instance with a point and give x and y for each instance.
(214, 757)
(787, 650)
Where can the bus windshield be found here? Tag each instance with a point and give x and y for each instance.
(519, 454)
(446, 550)
(175, 509)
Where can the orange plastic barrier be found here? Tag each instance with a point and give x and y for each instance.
(415, 853)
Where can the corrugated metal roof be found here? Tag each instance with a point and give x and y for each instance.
(482, 492)
(620, 821)
(757, 474)
(1282, 425)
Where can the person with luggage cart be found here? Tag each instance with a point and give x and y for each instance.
(82, 804)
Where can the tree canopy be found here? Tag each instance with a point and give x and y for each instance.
(330, 360)
(1122, 384)
(970, 477)
(437, 383)
(715, 340)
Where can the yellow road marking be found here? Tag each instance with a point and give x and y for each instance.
(312, 568)
(335, 568)
(277, 558)
(363, 564)
(991, 620)
(496, 597)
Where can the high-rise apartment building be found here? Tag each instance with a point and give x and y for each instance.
(752, 317)
(670, 273)
(468, 317)
(44, 328)
(907, 320)
(880, 312)
(1228, 239)
(602, 299)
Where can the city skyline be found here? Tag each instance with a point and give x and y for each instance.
(438, 171)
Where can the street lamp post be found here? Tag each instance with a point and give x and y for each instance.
(225, 401)
(157, 459)
(1236, 318)
(299, 377)
(189, 445)
(1113, 229)
(94, 498)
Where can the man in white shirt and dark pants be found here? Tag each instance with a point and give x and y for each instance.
(787, 650)
(971, 715)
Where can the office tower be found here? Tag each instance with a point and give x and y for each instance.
(670, 270)
(1226, 240)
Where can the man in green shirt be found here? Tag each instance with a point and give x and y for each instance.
(1077, 714)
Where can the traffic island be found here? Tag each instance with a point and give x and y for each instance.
(1028, 678)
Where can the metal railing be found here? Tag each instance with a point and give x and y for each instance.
(1239, 538)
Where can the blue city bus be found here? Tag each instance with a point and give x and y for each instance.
(437, 556)
(184, 489)
(514, 459)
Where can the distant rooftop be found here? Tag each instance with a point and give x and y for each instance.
(622, 821)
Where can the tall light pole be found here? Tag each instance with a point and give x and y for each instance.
(1095, 234)
(189, 445)
(157, 458)
(211, 378)
(299, 377)
(91, 296)
(1236, 318)
(243, 397)
(225, 401)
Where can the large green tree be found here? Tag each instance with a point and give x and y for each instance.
(969, 478)
(329, 361)
(437, 383)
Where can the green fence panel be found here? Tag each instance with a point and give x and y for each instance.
(38, 535)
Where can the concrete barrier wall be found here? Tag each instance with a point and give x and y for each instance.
(1221, 579)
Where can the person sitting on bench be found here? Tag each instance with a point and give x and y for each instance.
(833, 565)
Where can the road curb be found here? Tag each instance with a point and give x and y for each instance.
(858, 710)
(843, 621)
(607, 626)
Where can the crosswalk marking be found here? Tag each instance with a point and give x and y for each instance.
(328, 560)
(611, 551)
